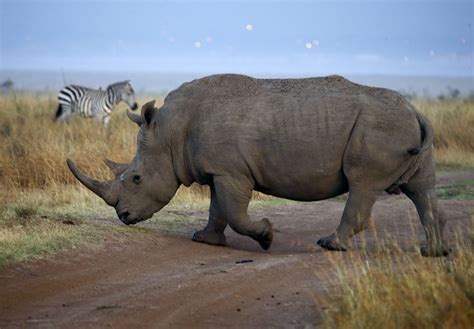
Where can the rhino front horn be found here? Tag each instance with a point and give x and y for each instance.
(101, 188)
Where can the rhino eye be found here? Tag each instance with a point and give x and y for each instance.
(136, 179)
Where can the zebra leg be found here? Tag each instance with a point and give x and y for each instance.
(105, 120)
(63, 112)
(59, 111)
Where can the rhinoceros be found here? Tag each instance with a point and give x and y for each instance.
(301, 139)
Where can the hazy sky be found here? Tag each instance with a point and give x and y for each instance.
(255, 37)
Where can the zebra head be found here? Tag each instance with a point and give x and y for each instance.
(123, 91)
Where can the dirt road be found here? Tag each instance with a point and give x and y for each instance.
(163, 279)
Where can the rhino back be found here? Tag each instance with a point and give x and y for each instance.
(283, 134)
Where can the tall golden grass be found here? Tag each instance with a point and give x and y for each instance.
(34, 147)
(453, 123)
(393, 290)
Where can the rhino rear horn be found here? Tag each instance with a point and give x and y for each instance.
(135, 118)
(101, 188)
(115, 167)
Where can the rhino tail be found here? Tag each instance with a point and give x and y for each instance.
(427, 135)
(427, 138)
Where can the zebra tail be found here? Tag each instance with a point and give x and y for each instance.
(59, 111)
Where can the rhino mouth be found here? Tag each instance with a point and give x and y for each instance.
(130, 220)
(127, 219)
(124, 218)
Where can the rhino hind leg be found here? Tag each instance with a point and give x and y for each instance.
(432, 219)
(233, 196)
(213, 233)
(420, 188)
(355, 218)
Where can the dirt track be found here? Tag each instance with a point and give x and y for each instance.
(161, 279)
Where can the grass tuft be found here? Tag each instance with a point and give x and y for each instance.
(25, 242)
(464, 191)
(25, 211)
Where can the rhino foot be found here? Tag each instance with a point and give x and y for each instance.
(330, 243)
(438, 251)
(209, 237)
(265, 239)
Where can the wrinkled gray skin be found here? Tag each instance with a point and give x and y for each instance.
(300, 139)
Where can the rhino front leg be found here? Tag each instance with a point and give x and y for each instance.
(355, 218)
(233, 196)
(213, 233)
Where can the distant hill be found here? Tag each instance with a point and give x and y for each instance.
(162, 82)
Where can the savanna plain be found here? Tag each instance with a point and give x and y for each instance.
(66, 261)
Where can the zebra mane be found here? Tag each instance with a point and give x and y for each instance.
(118, 85)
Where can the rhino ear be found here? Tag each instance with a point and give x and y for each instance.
(148, 109)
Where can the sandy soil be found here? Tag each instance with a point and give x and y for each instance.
(163, 279)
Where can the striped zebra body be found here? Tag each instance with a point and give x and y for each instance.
(92, 103)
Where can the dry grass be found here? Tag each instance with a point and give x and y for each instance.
(398, 290)
(24, 242)
(37, 222)
(35, 148)
(37, 236)
(453, 122)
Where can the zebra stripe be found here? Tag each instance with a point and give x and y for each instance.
(92, 103)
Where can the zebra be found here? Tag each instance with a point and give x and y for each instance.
(92, 103)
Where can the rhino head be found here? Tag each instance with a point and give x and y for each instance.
(144, 185)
